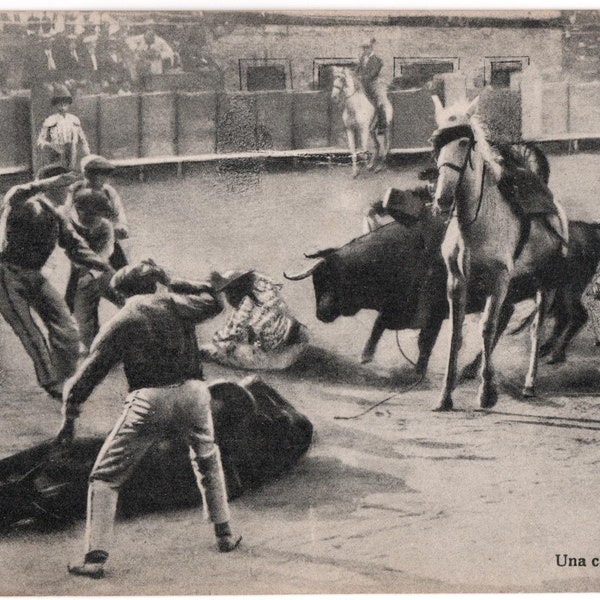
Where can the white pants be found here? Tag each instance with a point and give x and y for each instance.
(183, 409)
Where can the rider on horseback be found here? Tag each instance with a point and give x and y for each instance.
(368, 71)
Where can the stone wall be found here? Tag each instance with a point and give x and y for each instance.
(302, 44)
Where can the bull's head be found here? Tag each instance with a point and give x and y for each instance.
(324, 284)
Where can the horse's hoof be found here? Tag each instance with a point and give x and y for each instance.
(444, 406)
(379, 168)
(488, 400)
(366, 358)
(528, 392)
(557, 358)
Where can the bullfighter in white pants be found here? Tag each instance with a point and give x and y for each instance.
(154, 336)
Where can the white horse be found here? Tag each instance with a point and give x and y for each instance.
(360, 119)
(486, 234)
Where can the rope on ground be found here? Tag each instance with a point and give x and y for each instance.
(402, 351)
(412, 386)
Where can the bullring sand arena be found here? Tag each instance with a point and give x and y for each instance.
(401, 499)
(231, 138)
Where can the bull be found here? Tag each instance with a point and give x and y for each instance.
(260, 435)
(398, 271)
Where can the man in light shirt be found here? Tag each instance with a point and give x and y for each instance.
(150, 51)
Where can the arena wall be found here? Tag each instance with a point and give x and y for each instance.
(162, 126)
(301, 45)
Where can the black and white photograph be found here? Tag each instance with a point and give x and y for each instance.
(299, 301)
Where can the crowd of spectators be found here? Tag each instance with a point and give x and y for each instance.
(98, 54)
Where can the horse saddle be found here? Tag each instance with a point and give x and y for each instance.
(526, 191)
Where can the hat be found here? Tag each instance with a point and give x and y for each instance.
(61, 92)
(93, 202)
(51, 170)
(222, 282)
(138, 279)
(430, 174)
(94, 163)
(367, 42)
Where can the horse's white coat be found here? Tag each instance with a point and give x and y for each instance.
(484, 232)
(360, 119)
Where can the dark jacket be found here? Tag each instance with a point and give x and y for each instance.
(30, 228)
(154, 336)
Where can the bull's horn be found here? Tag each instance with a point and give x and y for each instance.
(306, 273)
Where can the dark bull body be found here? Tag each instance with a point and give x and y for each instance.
(259, 433)
(398, 271)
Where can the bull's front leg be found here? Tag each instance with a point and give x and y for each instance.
(371, 345)
(427, 338)
(457, 300)
(488, 392)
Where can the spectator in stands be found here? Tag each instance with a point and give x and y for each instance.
(40, 61)
(112, 65)
(62, 138)
(151, 52)
(68, 58)
(260, 333)
(89, 58)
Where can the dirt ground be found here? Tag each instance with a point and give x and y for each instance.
(399, 500)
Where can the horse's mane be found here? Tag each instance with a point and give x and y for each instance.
(489, 153)
(524, 155)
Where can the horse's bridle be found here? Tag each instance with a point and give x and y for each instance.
(443, 137)
(343, 86)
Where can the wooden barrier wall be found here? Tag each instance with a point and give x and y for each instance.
(192, 124)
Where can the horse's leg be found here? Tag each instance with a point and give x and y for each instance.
(471, 370)
(368, 133)
(457, 300)
(384, 149)
(371, 345)
(536, 327)
(352, 147)
(488, 394)
(577, 319)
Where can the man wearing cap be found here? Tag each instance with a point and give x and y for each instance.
(260, 333)
(30, 228)
(154, 336)
(369, 71)
(91, 219)
(97, 170)
(62, 138)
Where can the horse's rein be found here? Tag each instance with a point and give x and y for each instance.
(342, 88)
(453, 134)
